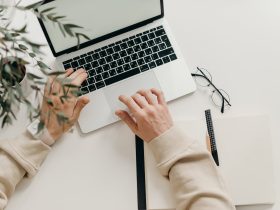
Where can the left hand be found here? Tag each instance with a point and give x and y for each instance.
(71, 108)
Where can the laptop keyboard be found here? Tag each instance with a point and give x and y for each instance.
(123, 59)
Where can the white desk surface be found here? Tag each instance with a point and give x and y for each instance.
(238, 42)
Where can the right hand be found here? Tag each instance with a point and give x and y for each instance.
(149, 118)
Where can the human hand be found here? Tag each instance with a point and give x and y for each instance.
(149, 117)
(68, 108)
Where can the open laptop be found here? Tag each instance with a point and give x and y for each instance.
(131, 48)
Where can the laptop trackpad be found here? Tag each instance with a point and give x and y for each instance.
(129, 87)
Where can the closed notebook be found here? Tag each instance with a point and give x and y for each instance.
(245, 155)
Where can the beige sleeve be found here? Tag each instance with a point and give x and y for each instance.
(19, 156)
(194, 176)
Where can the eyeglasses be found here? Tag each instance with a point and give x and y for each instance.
(219, 97)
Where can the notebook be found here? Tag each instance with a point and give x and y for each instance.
(245, 155)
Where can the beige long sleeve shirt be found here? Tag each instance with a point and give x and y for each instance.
(193, 175)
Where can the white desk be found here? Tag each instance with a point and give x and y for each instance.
(238, 42)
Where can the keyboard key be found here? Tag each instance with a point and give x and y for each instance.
(141, 61)
(94, 64)
(137, 41)
(109, 59)
(137, 48)
(84, 90)
(134, 56)
(127, 59)
(160, 32)
(105, 75)
(89, 59)
(112, 72)
(68, 61)
(76, 58)
(111, 45)
(126, 67)
(146, 32)
(159, 27)
(166, 40)
(129, 51)
(82, 61)
(98, 78)
(113, 64)
(87, 66)
(125, 40)
(120, 62)
(155, 56)
(155, 49)
(84, 84)
(91, 87)
(116, 56)
(141, 54)
(159, 62)
(173, 57)
(158, 40)
(144, 38)
(97, 50)
(148, 59)
(144, 46)
(162, 46)
(133, 64)
(124, 46)
(166, 59)
(99, 70)
(100, 85)
(148, 51)
(104, 48)
(122, 76)
(95, 56)
(101, 61)
(103, 53)
(152, 65)
(83, 55)
(130, 43)
(151, 35)
(67, 66)
(117, 48)
(109, 51)
(123, 53)
(120, 69)
(151, 43)
(90, 53)
(166, 52)
(74, 64)
(91, 80)
(144, 68)
(92, 72)
(138, 35)
(106, 67)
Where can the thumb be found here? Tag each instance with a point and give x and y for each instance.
(124, 116)
(81, 103)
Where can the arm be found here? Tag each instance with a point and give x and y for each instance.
(193, 175)
(24, 155)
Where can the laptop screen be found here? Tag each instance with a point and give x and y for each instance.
(97, 17)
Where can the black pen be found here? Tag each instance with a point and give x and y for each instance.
(212, 140)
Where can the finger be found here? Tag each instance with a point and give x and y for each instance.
(148, 95)
(81, 103)
(130, 103)
(68, 72)
(80, 79)
(124, 116)
(160, 96)
(76, 74)
(140, 100)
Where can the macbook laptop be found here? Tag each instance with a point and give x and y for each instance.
(131, 47)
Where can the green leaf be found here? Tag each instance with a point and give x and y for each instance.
(32, 55)
(34, 6)
(6, 120)
(33, 76)
(42, 65)
(49, 102)
(23, 47)
(41, 126)
(47, 10)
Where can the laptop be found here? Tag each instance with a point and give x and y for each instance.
(131, 47)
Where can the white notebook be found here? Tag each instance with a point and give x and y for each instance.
(245, 155)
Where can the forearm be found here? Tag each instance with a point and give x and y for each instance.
(193, 175)
(18, 157)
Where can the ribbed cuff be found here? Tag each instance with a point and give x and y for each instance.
(46, 138)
